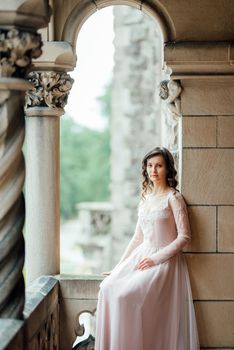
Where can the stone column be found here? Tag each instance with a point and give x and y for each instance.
(19, 43)
(44, 106)
(207, 104)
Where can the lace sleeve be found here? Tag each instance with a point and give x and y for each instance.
(180, 213)
(136, 240)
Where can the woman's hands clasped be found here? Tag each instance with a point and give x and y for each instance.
(142, 265)
(145, 264)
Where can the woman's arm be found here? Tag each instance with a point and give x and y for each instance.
(179, 209)
(136, 240)
(180, 213)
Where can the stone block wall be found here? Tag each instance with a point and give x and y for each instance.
(207, 184)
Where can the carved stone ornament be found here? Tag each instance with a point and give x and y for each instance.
(88, 343)
(51, 89)
(17, 48)
(12, 208)
(170, 91)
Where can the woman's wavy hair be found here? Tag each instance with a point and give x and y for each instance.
(147, 184)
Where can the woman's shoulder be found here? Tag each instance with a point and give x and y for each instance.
(176, 198)
(174, 193)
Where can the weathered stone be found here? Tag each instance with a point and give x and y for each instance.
(51, 89)
(12, 334)
(12, 209)
(225, 229)
(199, 131)
(211, 275)
(42, 188)
(225, 132)
(203, 227)
(211, 318)
(211, 173)
(208, 96)
(18, 48)
(77, 295)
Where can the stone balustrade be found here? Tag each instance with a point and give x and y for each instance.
(94, 234)
(78, 294)
(95, 218)
(39, 328)
(52, 303)
(52, 314)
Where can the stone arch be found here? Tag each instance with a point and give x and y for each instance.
(84, 9)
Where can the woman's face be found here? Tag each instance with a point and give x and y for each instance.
(156, 170)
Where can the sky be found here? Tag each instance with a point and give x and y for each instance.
(93, 68)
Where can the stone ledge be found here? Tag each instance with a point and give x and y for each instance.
(41, 301)
(200, 58)
(11, 334)
(78, 294)
(79, 286)
(55, 56)
(26, 14)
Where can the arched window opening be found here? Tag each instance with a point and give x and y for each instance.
(103, 137)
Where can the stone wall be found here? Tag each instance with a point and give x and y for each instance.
(208, 172)
(136, 116)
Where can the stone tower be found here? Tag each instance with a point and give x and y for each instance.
(136, 115)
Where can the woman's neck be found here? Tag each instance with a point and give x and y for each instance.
(160, 189)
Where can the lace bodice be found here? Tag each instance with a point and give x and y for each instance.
(163, 224)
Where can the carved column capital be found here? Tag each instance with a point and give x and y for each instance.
(17, 49)
(51, 89)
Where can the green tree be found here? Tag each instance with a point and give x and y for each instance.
(85, 161)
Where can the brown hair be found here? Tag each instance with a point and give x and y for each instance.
(147, 184)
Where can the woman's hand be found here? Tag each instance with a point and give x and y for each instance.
(106, 273)
(145, 264)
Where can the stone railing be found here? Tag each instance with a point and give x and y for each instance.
(52, 314)
(95, 217)
(39, 328)
(78, 296)
(94, 236)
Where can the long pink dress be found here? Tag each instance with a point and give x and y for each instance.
(150, 309)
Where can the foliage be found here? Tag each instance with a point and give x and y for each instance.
(85, 162)
(105, 101)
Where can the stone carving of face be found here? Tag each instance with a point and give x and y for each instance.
(174, 90)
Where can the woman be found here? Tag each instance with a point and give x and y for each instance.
(146, 303)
